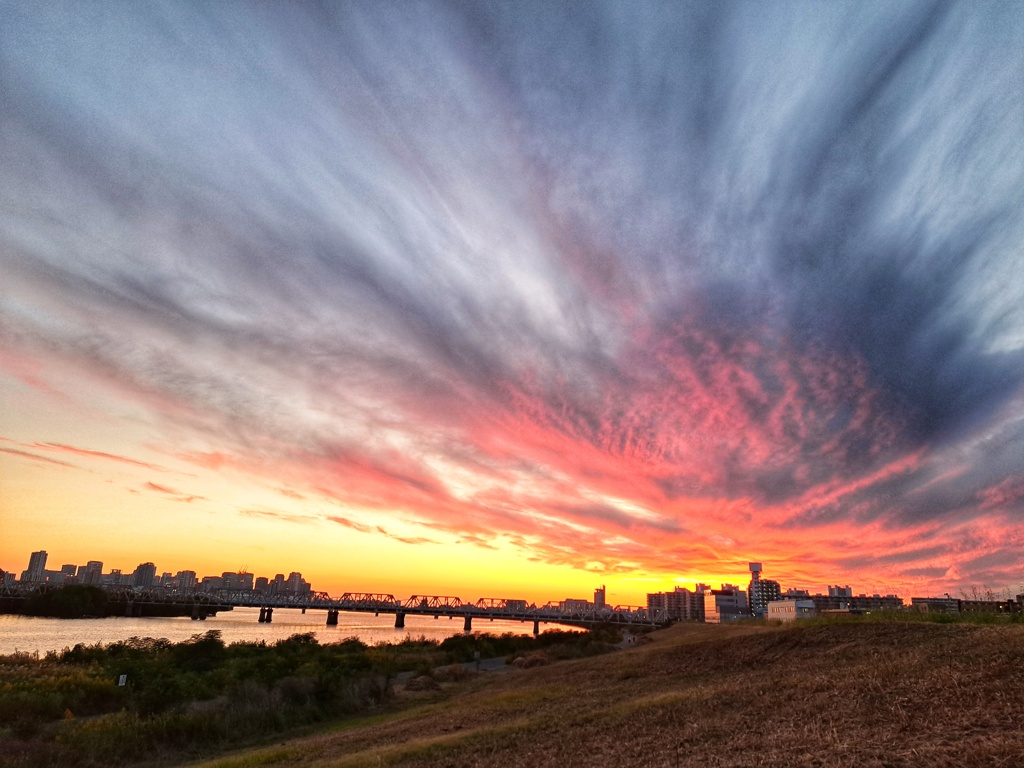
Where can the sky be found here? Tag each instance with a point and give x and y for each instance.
(516, 299)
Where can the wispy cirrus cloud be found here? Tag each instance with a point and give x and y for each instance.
(664, 290)
(36, 457)
(172, 493)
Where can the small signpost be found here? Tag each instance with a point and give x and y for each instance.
(122, 680)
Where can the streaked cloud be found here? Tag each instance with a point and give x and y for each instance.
(655, 289)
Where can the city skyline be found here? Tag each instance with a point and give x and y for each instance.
(246, 580)
(516, 298)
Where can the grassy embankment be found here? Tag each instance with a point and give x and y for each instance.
(202, 696)
(873, 692)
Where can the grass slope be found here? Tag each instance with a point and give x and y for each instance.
(830, 694)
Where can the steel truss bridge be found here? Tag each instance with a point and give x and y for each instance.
(445, 605)
(576, 613)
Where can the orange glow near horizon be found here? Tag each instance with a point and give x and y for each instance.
(210, 513)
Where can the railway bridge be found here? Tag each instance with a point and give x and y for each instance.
(135, 601)
(486, 608)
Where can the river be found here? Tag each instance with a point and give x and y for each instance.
(32, 634)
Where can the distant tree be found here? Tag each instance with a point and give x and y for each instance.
(73, 601)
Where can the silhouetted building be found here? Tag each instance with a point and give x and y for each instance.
(237, 581)
(277, 584)
(91, 572)
(296, 585)
(262, 585)
(185, 580)
(211, 583)
(36, 571)
(144, 575)
(575, 605)
(599, 594)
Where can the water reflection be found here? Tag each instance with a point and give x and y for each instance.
(38, 635)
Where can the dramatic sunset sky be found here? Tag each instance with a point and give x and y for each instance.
(515, 299)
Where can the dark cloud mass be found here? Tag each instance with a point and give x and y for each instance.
(699, 283)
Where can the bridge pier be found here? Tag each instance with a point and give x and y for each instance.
(263, 614)
(270, 615)
(536, 626)
(468, 626)
(332, 618)
(399, 620)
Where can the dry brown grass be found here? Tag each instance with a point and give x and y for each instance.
(886, 694)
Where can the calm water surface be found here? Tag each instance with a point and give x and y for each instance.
(38, 635)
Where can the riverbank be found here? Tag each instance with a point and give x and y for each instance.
(150, 701)
(38, 635)
(852, 693)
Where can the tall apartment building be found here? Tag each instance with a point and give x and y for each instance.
(36, 570)
(760, 592)
(681, 604)
(144, 575)
(237, 581)
(91, 573)
(296, 585)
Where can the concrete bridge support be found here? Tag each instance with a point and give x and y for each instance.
(468, 626)
(270, 615)
(536, 627)
(399, 620)
(332, 618)
(263, 614)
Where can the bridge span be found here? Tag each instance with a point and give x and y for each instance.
(136, 601)
(486, 608)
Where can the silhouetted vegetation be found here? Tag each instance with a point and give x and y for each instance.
(77, 601)
(184, 699)
(74, 601)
